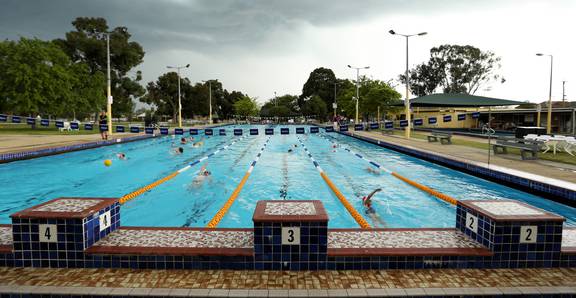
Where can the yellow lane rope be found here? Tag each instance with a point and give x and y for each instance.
(355, 214)
(213, 223)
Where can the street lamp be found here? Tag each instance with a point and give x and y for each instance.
(209, 100)
(179, 96)
(334, 103)
(549, 118)
(407, 101)
(109, 86)
(357, 87)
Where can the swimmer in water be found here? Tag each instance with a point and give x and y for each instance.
(369, 210)
(289, 150)
(371, 170)
(177, 151)
(202, 175)
(121, 156)
(183, 141)
(199, 143)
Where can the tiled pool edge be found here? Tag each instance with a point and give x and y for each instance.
(494, 173)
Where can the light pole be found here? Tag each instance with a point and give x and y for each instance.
(334, 103)
(549, 118)
(109, 86)
(407, 101)
(209, 100)
(357, 88)
(179, 96)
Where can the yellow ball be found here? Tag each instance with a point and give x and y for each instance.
(107, 162)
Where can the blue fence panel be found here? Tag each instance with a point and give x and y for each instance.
(3, 118)
(461, 117)
(344, 128)
(299, 130)
(74, 125)
(119, 128)
(178, 131)
(193, 131)
(44, 122)
(222, 132)
(59, 124)
(359, 127)
(238, 132)
(269, 131)
(476, 115)
(209, 132)
(16, 119)
(447, 118)
(284, 131)
(103, 127)
(432, 120)
(388, 124)
(30, 120)
(403, 123)
(418, 122)
(134, 129)
(329, 129)
(163, 130)
(374, 125)
(253, 131)
(314, 129)
(149, 130)
(87, 126)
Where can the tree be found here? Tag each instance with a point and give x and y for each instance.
(373, 94)
(315, 106)
(164, 93)
(455, 69)
(87, 44)
(246, 106)
(282, 106)
(321, 83)
(38, 77)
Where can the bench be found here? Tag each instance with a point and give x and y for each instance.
(445, 137)
(528, 148)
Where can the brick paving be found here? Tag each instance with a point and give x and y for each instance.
(309, 280)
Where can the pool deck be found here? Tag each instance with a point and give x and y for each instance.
(228, 283)
(19, 143)
(542, 168)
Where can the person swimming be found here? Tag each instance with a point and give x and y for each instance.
(369, 209)
(371, 170)
(183, 141)
(177, 151)
(121, 155)
(199, 143)
(202, 175)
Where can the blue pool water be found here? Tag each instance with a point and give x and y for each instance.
(278, 175)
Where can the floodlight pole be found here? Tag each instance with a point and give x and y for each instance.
(109, 86)
(407, 100)
(179, 95)
(549, 116)
(357, 88)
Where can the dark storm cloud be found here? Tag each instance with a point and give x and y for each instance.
(199, 25)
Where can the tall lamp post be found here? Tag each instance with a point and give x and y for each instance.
(334, 103)
(407, 101)
(357, 87)
(549, 118)
(109, 86)
(209, 100)
(179, 96)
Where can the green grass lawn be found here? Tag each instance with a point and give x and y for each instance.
(562, 157)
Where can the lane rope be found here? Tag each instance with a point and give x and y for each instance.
(424, 188)
(353, 212)
(213, 223)
(152, 185)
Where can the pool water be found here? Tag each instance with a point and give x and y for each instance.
(278, 175)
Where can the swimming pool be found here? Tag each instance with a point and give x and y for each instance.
(278, 175)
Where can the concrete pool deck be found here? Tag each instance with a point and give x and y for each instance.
(229, 283)
(555, 170)
(19, 143)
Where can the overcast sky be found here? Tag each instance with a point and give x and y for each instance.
(264, 46)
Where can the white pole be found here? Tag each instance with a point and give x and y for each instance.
(109, 87)
(210, 99)
(179, 102)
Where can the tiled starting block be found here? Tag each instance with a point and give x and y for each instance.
(290, 235)
(520, 235)
(56, 233)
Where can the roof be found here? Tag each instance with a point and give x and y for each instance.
(459, 100)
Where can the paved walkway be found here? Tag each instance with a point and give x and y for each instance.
(544, 168)
(308, 283)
